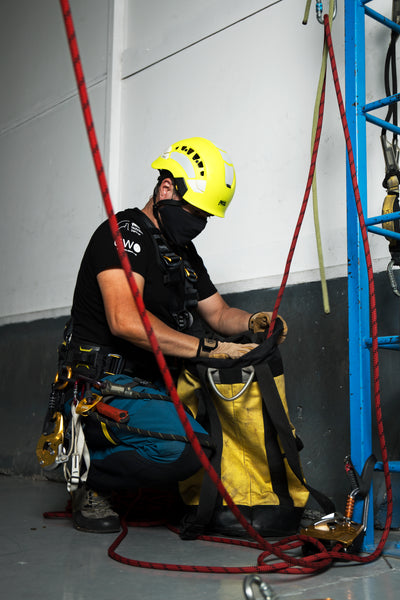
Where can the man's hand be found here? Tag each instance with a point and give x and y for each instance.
(261, 321)
(209, 348)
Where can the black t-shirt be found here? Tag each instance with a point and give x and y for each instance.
(89, 319)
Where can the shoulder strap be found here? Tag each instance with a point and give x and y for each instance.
(177, 273)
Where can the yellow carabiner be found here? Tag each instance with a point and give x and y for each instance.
(61, 386)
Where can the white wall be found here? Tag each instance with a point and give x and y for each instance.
(50, 200)
(247, 81)
(251, 88)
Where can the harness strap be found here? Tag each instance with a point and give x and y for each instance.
(177, 272)
(113, 425)
(92, 361)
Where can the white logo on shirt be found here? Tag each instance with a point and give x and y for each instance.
(130, 226)
(131, 246)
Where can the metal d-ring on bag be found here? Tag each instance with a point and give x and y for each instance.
(214, 378)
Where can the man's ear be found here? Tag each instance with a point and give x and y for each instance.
(166, 188)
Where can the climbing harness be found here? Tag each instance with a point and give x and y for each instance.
(97, 405)
(321, 558)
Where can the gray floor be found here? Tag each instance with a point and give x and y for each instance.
(48, 559)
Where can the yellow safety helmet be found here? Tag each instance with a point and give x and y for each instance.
(204, 174)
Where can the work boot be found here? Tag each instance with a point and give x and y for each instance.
(92, 512)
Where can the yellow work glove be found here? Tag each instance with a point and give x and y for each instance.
(209, 348)
(261, 321)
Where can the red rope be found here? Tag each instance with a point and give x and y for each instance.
(371, 283)
(290, 564)
(302, 209)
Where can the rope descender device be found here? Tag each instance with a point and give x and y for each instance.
(335, 528)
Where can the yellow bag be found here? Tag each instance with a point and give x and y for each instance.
(244, 410)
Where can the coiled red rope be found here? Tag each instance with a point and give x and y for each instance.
(290, 564)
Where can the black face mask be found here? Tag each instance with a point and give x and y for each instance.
(177, 224)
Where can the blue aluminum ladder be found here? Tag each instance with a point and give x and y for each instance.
(358, 113)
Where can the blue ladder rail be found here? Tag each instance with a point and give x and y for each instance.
(358, 113)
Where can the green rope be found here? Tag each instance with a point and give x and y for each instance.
(324, 287)
(306, 12)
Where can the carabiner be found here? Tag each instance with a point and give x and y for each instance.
(319, 11)
(392, 278)
(266, 591)
(62, 386)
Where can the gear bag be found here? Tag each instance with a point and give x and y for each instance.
(241, 403)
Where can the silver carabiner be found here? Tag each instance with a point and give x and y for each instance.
(266, 591)
(319, 11)
(392, 278)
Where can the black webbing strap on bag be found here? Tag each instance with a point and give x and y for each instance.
(193, 524)
(276, 411)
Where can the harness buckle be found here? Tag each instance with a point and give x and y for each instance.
(190, 274)
(171, 259)
(113, 364)
(183, 319)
